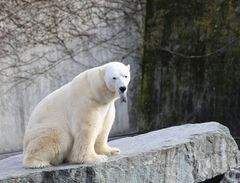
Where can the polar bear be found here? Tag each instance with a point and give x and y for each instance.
(72, 124)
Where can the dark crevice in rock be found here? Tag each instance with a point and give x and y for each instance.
(216, 179)
(90, 175)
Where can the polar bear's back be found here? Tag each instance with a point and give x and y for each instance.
(52, 106)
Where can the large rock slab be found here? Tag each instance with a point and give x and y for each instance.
(232, 176)
(181, 154)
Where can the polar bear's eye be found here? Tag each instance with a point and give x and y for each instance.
(125, 76)
(114, 78)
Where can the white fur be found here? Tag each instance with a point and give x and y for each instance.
(73, 123)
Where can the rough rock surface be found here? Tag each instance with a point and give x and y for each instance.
(232, 176)
(181, 154)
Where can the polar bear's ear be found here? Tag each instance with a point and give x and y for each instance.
(128, 66)
(101, 71)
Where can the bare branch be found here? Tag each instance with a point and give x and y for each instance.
(33, 31)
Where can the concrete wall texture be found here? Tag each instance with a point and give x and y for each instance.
(186, 71)
(45, 44)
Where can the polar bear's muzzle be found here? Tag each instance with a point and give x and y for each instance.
(123, 94)
(122, 89)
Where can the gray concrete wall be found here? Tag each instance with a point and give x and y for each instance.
(32, 70)
(191, 64)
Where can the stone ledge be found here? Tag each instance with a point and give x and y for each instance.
(182, 154)
(232, 176)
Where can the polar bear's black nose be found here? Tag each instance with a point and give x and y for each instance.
(122, 88)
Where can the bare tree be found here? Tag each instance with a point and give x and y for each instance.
(37, 35)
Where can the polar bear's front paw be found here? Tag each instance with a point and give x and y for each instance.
(114, 151)
(109, 151)
(95, 159)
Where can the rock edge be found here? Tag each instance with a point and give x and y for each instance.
(186, 153)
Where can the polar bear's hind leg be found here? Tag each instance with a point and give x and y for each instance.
(46, 149)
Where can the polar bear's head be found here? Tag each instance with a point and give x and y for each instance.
(117, 78)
